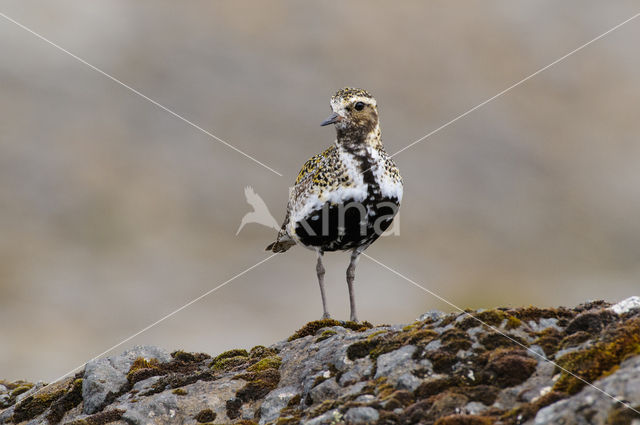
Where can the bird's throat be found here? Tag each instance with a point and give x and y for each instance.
(358, 137)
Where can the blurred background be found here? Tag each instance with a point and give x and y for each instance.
(113, 213)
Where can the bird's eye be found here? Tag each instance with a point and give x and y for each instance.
(359, 106)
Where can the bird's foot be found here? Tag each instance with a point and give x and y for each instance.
(353, 319)
(326, 316)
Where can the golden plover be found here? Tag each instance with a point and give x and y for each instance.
(347, 196)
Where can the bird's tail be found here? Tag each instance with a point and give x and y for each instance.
(280, 245)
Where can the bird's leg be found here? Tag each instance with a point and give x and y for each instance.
(320, 272)
(351, 275)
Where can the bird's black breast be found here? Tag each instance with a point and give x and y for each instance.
(350, 224)
(347, 225)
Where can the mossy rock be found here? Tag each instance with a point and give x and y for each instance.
(186, 357)
(272, 362)
(550, 340)
(205, 415)
(326, 335)
(230, 359)
(259, 384)
(68, 401)
(528, 411)
(465, 420)
(312, 328)
(454, 340)
(20, 389)
(142, 369)
(508, 367)
(493, 340)
(260, 351)
(384, 341)
(100, 418)
(494, 318)
(536, 313)
(229, 363)
(236, 352)
(622, 415)
(35, 404)
(599, 360)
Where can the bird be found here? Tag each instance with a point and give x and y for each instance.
(260, 213)
(345, 197)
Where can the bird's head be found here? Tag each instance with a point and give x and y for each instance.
(353, 110)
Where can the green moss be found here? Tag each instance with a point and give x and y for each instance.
(384, 347)
(528, 411)
(259, 384)
(260, 351)
(489, 317)
(508, 367)
(236, 352)
(229, 363)
(68, 401)
(447, 320)
(272, 362)
(493, 340)
(383, 342)
(441, 360)
(622, 415)
(326, 335)
(233, 407)
(549, 339)
(454, 340)
(294, 402)
(465, 420)
(601, 359)
(288, 420)
(535, 313)
(312, 328)
(291, 413)
(180, 391)
(101, 418)
(575, 339)
(323, 407)
(206, 415)
(486, 394)
(383, 388)
(185, 357)
(432, 387)
(142, 369)
(398, 399)
(230, 359)
(35, 404)
(420, 336)
(23, 388)
(411, 327)
(513, 323)
(360, 349)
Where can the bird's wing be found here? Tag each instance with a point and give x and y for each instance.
(309, 167)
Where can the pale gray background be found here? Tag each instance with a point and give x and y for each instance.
(113, 213)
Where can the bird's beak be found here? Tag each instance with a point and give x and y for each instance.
(334, 118)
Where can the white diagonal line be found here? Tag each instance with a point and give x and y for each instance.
(114, 79)
(560, 59)
(129, 338)
(500, 332)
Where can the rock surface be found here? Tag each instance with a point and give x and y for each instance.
(504, 366)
